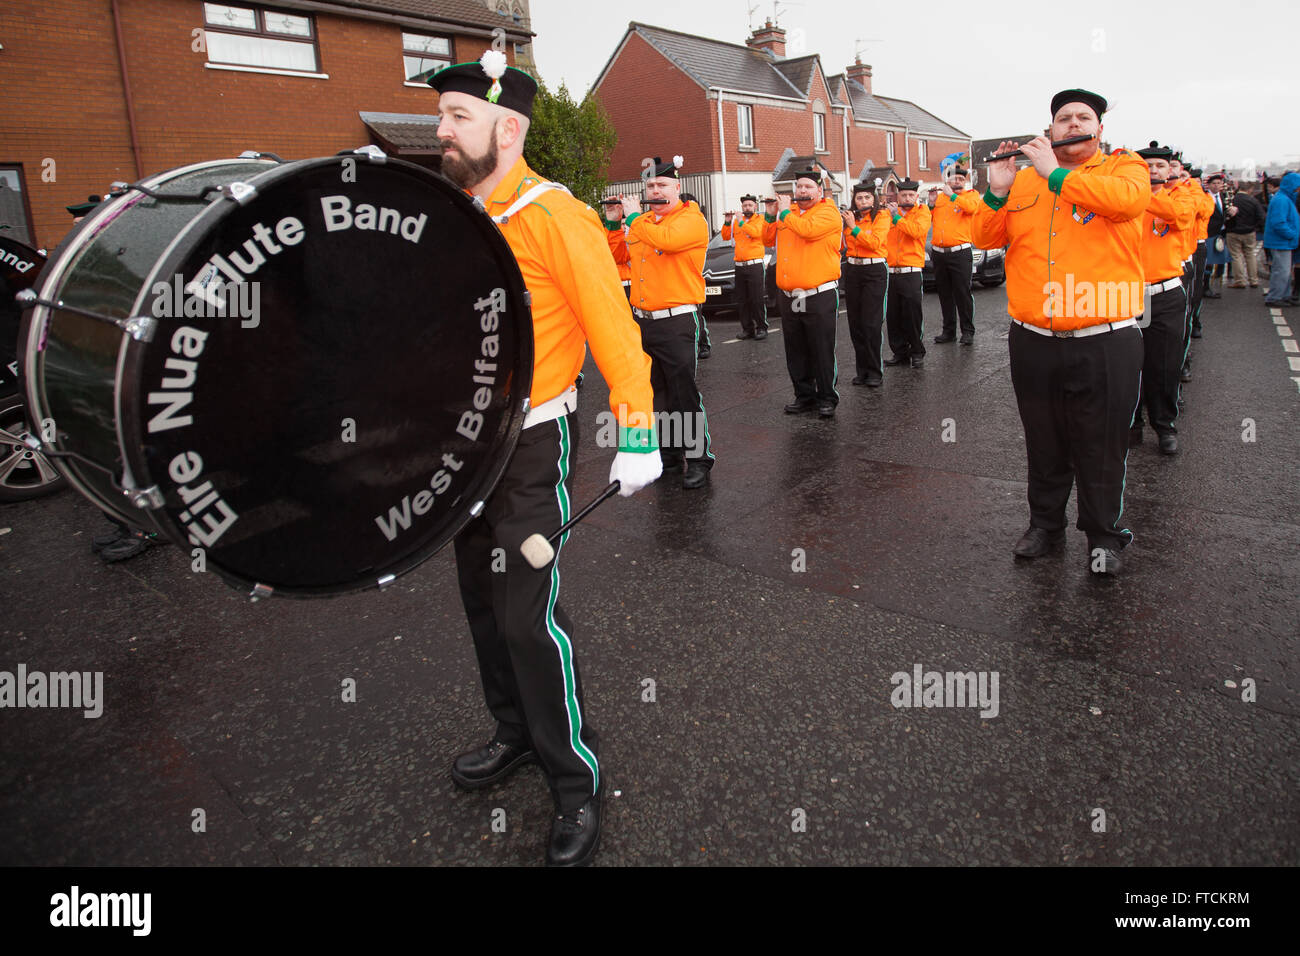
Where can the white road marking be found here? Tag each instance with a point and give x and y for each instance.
(1278, 320)
(1283, 330)
(1290, 345)
(1295, 363)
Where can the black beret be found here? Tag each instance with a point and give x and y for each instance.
(516, 92)
(1213, 176)
(668, 169)
(83, 208)
(814, 174)
(863, 188)
(907, 184)
(1098, 103)
(1155, 151)
(748, 198)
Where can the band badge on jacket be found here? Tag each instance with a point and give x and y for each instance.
(1084, 219)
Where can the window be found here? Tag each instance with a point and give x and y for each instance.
(253, 36)
(15, 217)
(889, 147)
(920, 154)
(423, 56)
(819, 132)
(745, 122)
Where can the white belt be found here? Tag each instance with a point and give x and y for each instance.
(664, 313)
(904, 268)
(853, 260)
(792, 293)
(750, 262)
(553, 408)
(1078, 333)
(1165, 286)
(964, 245)
(627, 283)
(1187, 261)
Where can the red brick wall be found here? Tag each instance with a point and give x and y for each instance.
(870, 143)
(936, 150)
(658, 111)
(63, 96)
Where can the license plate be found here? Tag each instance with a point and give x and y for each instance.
(713, 290)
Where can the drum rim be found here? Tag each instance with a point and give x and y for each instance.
(38, 317)
(179, 249)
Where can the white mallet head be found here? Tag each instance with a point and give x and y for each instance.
(537, 551)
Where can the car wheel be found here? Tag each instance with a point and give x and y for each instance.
(992, 283)
(24, 473)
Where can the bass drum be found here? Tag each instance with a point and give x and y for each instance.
(336, 380)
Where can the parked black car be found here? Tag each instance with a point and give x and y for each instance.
(720, 276)
(988, 267)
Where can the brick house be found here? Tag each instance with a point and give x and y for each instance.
(739, 113)
(103, 90)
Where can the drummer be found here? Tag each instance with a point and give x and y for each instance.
(523, 639)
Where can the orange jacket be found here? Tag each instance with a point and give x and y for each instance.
(867, 239)
(1204, 210)
(906, 243)
(1170, 217)
(748, 234)
(952, 218)
(618, 247)
(666, 254)
(576, 297)
(807, 245)
(1183, 190)
(1075, 241)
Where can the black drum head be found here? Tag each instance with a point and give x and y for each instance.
(337, 379)
(20, 264)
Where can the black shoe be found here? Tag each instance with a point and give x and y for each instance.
(485, 766)
(697, 475)
(968, 340)
(1196, 332)
(101, 541)
(1135, 436)
(858, 380)
(802, 405)
(761, 334)
(575, 835)
(671, 464)
(127, 546)
(1211, 294)
(825, 409)
(705, 351)
(1104, 561)
(918, 361)
(1185, 375)
(874, 381)
(945, 337)
(1168, 444)
(1036, 542)
(897, 359)
(744, 335)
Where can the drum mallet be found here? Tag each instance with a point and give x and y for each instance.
(537, 549)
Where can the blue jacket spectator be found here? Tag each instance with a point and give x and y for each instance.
(1282, 227)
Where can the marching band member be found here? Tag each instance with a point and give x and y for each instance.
(866, 281)
(905, 254)
(747, 232)
(613, 222)
(951, 250)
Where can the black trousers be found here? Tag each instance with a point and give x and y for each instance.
(702, 334)
(1198, 284)
(952, 276)
(865, 288)
(1164, 346)
(808, 328)
(903, 316)
(1076, 398)
(672, 346)
(523, 638)
(750, 298)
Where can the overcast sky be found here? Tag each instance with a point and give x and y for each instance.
(1221, 80)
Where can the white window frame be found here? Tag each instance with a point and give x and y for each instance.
(213, 29)
(889, 146)
(448, 60)
(744, 125)
(819, 132)
(922, 154)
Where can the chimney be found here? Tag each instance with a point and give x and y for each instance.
(769, 38)
(860, 72)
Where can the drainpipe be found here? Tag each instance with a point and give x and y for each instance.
(907, 150)
(126, 87)
(722, 150)
(848, 173)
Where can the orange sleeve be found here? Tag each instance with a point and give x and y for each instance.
(1176, 208)
(589, 282)
(726, 231)
(674, 234)
(618, 245)
(968, 201)
(1118, 193)
(755, 226)
(880, 233)
(915, 226)
(821, 222)
(769, 233)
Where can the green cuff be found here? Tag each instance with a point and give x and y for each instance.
(632, 218)
(897, 218)
(784, 213)
(610, 224)
(1054, 181)
(856, 230)
(637, 439)
(770, 218)
(993, 202)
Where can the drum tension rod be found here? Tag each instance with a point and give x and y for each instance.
(371, 152)
(254, 154)
(139, 327)
(150, 497)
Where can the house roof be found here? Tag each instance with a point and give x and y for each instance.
(869, 108)
(468, 13)
(883, 173)
(921, 121)
(799, 72)
(406, 131)
(790, 164)
(712, 63)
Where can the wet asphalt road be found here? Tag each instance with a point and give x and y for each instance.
(772, 686)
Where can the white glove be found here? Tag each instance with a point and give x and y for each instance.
(633, 470)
